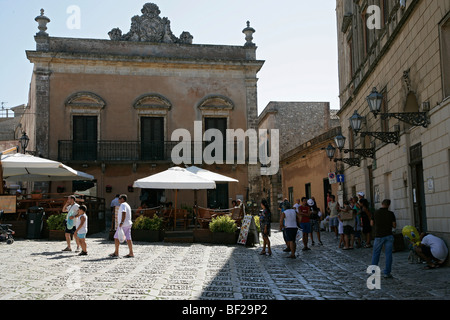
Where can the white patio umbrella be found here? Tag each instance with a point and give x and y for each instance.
(24, 167)
(210, 175)
(175, 178)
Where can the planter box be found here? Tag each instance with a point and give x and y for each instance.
(203, 236)
(57, 235)
(224, 238)
(146, 235)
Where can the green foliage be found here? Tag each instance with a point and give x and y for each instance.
(56, 222)
(258, 225)
(146, 223)
(223, 224)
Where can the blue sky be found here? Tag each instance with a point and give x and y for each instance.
(296, 38)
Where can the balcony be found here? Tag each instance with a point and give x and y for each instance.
(121, 151)
(111, 151)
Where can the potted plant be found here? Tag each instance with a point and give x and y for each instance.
(56, 226)
(224, 230)
(36, 194)
(147, 229)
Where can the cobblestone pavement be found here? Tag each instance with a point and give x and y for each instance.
(38, 269)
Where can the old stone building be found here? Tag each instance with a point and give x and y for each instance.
(298, 123)
(109, 107)
(305, 170)
(398, 52)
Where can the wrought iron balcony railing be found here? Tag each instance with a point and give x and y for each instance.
(123, 151)
(69, 150)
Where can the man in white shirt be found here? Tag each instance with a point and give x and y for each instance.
(125, 223)
(432, 248)
(71, 207)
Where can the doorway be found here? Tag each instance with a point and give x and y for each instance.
(418, 188)
(85, 134)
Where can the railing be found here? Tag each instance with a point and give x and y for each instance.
(123, 151)
(114, 150)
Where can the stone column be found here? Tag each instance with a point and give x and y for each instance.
(42, 112)
(253, 170)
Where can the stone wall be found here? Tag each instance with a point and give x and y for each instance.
(404, 61)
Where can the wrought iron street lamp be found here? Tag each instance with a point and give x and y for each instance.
(24, 140)
(353, 162)
(340, 141)
(375, 100)
(364, 153)
(330, 151)
(387, 137)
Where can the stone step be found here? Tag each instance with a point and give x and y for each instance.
(184, 236)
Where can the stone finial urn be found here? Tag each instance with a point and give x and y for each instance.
(249, 31)
(42, 21)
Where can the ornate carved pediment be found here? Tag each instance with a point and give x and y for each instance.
(150, 27)
(152, 101)
(216, 102)
(86, 100)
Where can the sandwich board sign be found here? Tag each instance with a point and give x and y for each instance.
(248, 229)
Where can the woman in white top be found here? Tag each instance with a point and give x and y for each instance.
(81, 230)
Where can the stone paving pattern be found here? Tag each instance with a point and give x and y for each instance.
(39, 270)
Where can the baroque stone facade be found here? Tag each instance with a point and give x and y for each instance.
(119, 97)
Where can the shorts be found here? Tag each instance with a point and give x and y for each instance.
(71, 231)
(315, 225)
(334, 221)
(306, 227)
(81, 236)
(348, 230)
(290, 233)
(126, 231)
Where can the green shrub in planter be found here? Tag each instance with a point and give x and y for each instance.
(223, 224)
(146, 223)
(56, 222)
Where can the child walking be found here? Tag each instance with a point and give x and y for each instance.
(81, 230)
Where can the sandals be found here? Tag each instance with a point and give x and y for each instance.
(128, 256)
(113, 255)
